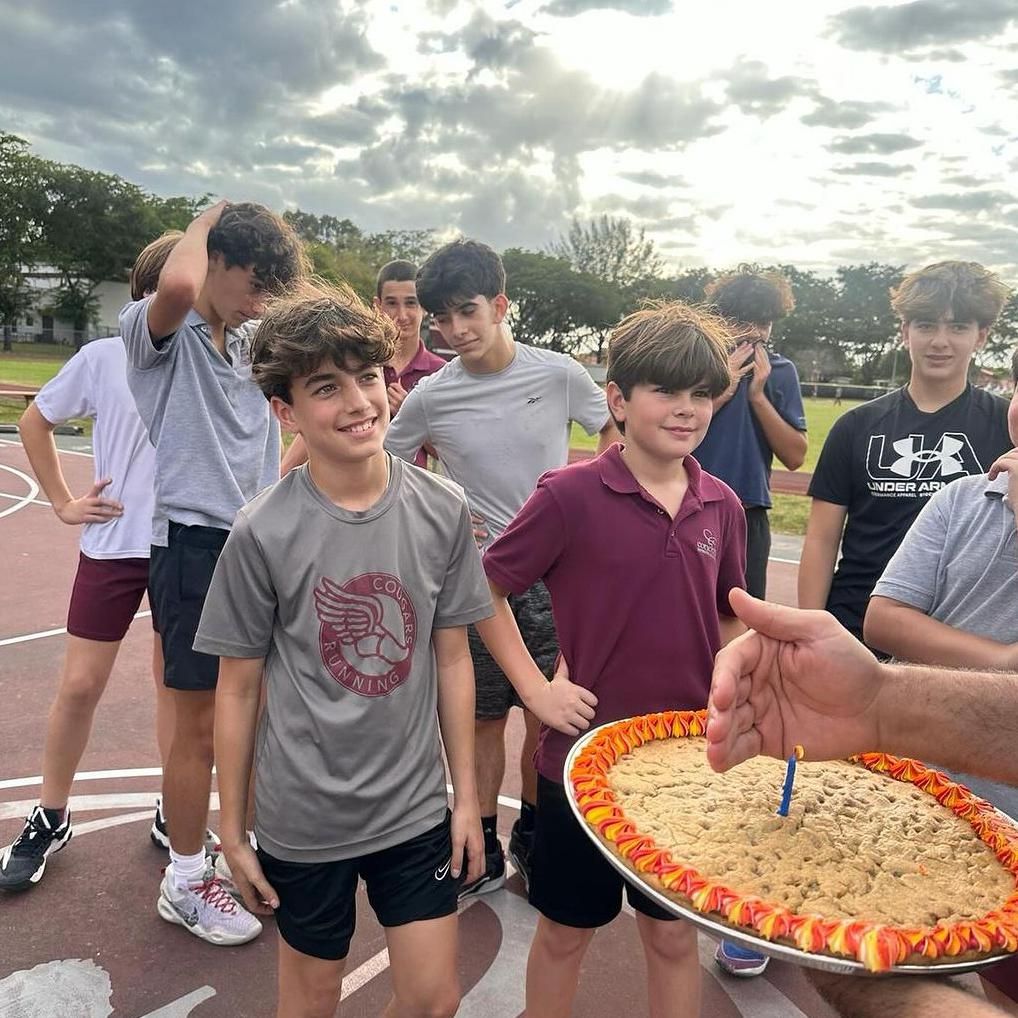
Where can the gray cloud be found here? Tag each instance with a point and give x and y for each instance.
(970, 201)
(649, 178)
(638, 8)
(753, 90)
(649, 207)
(873, 169)
(921, 23)
(873, 144)
(849, 114)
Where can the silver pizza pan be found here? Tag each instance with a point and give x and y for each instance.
(721, 931)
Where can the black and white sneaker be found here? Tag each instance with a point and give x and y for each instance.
(160, 835)
(24, 862)
(491, 879)
(521, 844)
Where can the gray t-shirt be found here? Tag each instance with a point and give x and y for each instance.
(216, 442)
(342, 605)
(497, 434)
(958, 564)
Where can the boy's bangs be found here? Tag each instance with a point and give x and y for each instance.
(693, 365)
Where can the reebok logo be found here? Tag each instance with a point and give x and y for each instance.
(534, 399)
(911, 468)
(442, 872)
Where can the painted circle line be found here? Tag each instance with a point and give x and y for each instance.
(33, 490)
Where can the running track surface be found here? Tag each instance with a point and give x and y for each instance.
(87, 943)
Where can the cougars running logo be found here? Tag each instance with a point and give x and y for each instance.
(368, 632)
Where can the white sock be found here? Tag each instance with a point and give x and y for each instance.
(186, 869)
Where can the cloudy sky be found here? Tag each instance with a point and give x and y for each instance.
(817, 132)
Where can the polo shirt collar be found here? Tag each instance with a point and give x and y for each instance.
(419, 361)
(234, 337)
(617, 476)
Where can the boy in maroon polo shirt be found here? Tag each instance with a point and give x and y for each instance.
(639, 549)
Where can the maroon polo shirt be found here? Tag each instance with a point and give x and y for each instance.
(424, 363)
(635, 593)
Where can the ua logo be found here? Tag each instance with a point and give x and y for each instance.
(911, 460)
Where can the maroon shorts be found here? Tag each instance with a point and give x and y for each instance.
(105, 597)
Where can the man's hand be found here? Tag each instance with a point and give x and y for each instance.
(480, 529)
(396, 394)
(740, 364)
(258, 894)
(1008, 464)
(562, 705)
(761, 368)
(91, 507)
(797, 677)
(212, 214)
(467, 843)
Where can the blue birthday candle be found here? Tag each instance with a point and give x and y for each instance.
(786, 791)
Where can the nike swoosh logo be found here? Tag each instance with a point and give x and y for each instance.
(442, 872)
(191, 918)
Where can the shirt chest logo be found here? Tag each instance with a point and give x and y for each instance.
(368, 632)
(707, 544)
(912, 460)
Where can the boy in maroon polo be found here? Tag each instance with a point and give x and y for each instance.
(639, 549)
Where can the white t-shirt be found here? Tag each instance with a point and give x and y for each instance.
(93, 383)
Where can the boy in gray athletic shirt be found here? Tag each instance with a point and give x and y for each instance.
(346, 587)
(498, 417)
(216, 446)
(949, 596)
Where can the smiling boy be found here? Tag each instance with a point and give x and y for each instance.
(884, 460)
(346, 588)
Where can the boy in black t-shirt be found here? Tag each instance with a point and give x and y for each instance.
(882, 461)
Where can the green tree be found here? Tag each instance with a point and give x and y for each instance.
(610, 248)
(554, 306)
(863, 319)
(22, 214)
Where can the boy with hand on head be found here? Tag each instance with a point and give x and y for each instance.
(760, 415)
(216, 447)
(346, 588)
(112, 577)
(884, 460)
(497, 417)
(639, 549)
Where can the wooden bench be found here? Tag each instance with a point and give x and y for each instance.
(26, 394)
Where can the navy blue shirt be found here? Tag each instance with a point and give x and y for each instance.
(735, 447)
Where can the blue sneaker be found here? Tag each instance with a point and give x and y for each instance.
(739, 961)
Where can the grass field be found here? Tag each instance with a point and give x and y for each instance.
(39, 364)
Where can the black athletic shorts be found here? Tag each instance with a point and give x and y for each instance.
(407, 883)
(179, 578)
(571, 883)
(758, 549)
(495, 693)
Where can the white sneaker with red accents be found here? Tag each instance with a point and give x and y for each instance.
(207, 910)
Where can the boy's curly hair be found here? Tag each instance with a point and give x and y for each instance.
(671, 344)
(250, 234)
(965, 290)
(748, 295)
(148, 264)
(317, 321)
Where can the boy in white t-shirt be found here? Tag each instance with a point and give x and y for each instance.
(116, 519)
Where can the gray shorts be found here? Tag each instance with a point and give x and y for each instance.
(495, 693)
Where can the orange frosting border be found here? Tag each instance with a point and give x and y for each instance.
(878, 947)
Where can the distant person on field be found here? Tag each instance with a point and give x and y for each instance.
(345, 590)
(216, 447)
(112, 577)
(760, 415)
(639, 548)
(884, 460)
(498, 416)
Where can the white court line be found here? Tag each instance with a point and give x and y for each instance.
(69, 452)
(33, 490)
(21, 498)
(133, 772)
(11, 640)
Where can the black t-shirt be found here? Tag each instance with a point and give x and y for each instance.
(883, 461)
